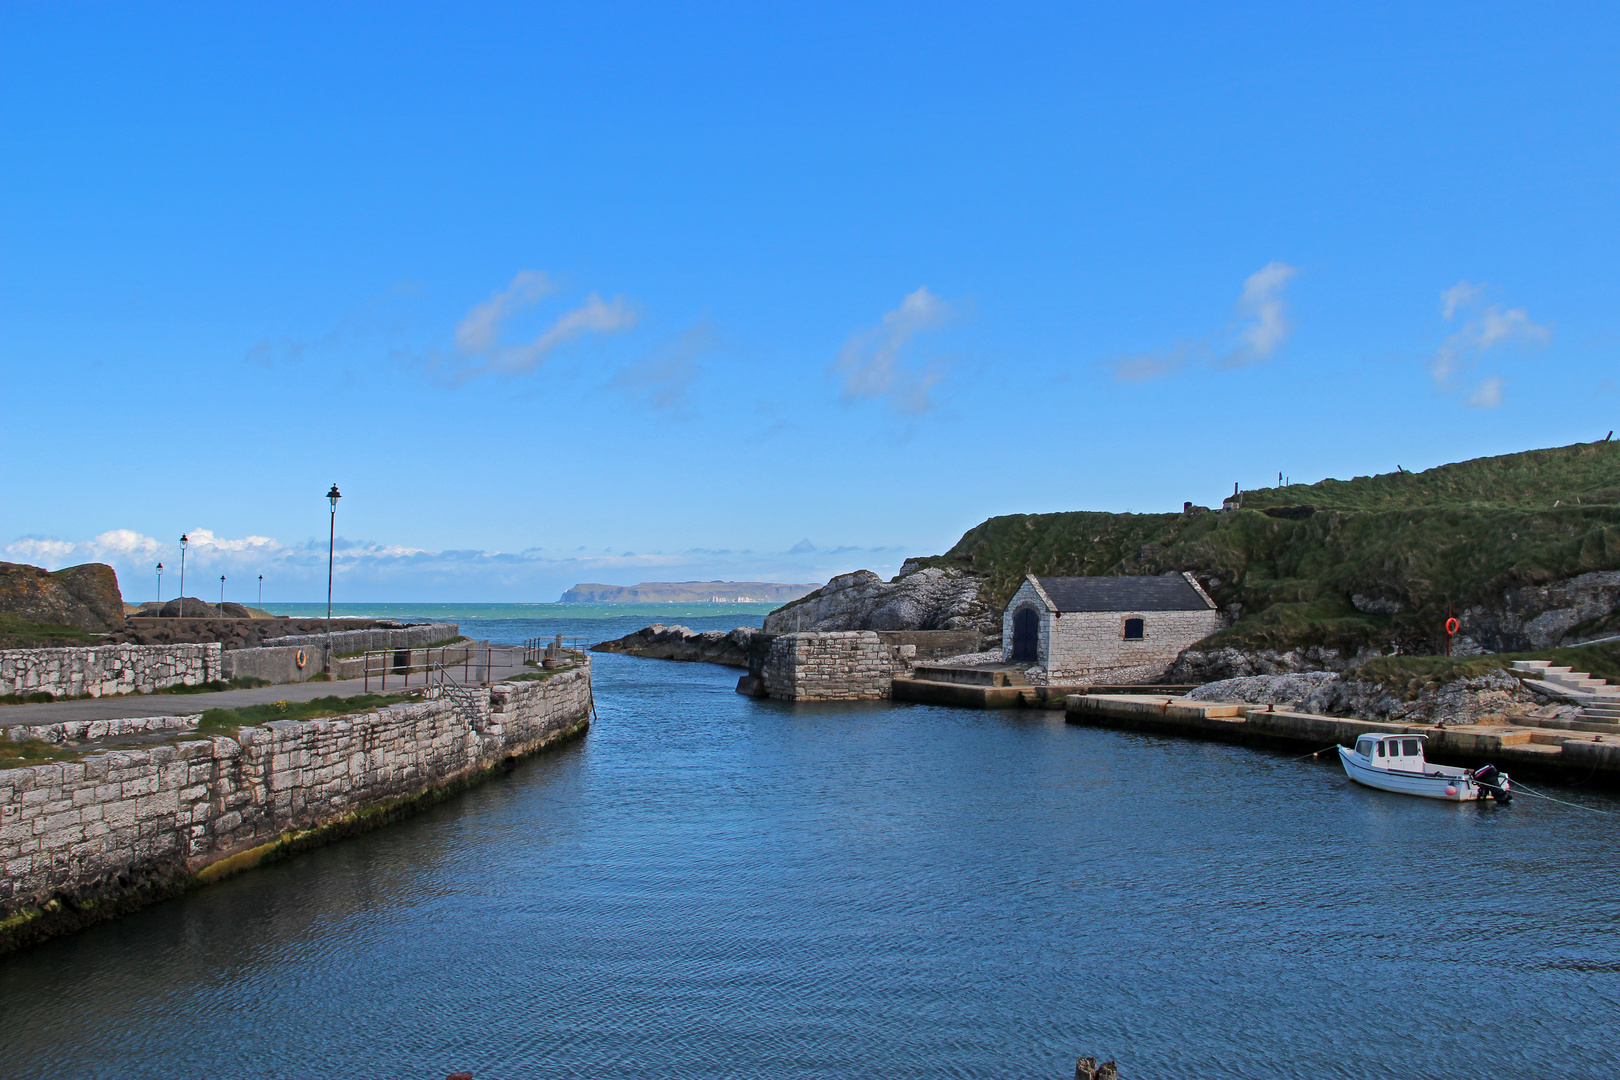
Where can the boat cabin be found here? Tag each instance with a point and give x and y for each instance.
(1403, 753)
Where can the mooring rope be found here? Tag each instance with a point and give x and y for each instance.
(1519, 789)
(1319, 753)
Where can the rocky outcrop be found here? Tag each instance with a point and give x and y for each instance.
(1205, 665)
(84, 597)
(1497, 694)
(1287, 690)
(935, 598)
(660, 642)
(1544, 616)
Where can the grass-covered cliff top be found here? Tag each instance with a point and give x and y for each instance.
(1376, 562)
(1582, 475)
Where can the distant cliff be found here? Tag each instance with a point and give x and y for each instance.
(687, 592)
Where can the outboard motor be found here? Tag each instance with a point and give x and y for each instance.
(1494, 781)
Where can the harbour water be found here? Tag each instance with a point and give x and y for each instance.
(714, 886)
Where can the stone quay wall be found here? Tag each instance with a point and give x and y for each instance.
(843, 665)
(82, 841)
(348, 641)
(107, 669)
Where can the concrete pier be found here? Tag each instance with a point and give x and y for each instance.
(1517, 748)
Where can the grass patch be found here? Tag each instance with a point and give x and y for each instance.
(38, 697)
(17, 632)
(230, 721)
(214, 686)
(18, 755)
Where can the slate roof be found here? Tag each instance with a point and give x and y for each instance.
(1169, 592)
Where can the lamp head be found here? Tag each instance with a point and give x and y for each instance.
(333, 496)
(160, 568)
(183, 541)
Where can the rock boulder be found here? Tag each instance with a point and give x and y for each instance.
(934, 598)
(660, 642)
(85, 597)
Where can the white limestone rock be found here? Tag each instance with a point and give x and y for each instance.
(935, 598)
(1287, 690)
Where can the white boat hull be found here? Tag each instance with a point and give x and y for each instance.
(1436, 782)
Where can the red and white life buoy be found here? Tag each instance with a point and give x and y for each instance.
(1452, 626)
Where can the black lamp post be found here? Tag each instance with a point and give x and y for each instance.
(222, 596)
(261, 590)
(331, 545)
(183, 543)
(160, 584)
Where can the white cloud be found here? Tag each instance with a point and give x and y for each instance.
(1487, 395)
(1266, 314)
(1261, 328)
(478, 334)
(869, 361)
(1485, 329)
(1145, 366)
(1463, 294)
(661, 378)
(480, 328)
(595, 315)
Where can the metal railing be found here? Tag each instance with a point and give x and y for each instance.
(536, 650)
(401, 663)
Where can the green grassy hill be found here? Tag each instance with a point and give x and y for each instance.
(1292, 561)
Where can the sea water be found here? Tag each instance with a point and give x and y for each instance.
(713, 886)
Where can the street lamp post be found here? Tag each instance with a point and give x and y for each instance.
(222, 596)
(183, 543)
(160, 585)
(261, 590)
(331, 546)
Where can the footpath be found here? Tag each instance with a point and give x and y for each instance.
(505, 662)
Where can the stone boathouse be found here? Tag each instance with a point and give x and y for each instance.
(1082, 630)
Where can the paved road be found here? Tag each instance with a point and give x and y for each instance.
(505, 662)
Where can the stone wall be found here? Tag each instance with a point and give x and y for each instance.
(274, 664)
(348, 641)
(1091, 646)
(849, 665)
(80, 841)
(107, 669)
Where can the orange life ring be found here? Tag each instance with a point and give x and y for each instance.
(1452, 626)
(299, 659)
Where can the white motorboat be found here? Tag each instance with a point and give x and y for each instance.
(1396, 763)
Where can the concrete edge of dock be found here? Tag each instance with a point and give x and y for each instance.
(1527, 749)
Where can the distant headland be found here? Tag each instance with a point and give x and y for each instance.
(687, 592)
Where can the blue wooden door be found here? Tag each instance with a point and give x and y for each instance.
(1026, 635)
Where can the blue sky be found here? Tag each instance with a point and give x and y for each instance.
(623, 293)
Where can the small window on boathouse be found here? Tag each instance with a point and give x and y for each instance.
(1133, 629)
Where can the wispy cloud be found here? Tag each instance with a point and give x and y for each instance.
(1460, 295)
(1145, 366)
(1264, 313)
(661, 378)
(478, 340)
(1485, 328)
(1487, 395)
(870, 362)
(480, 328)
(1261, 327)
